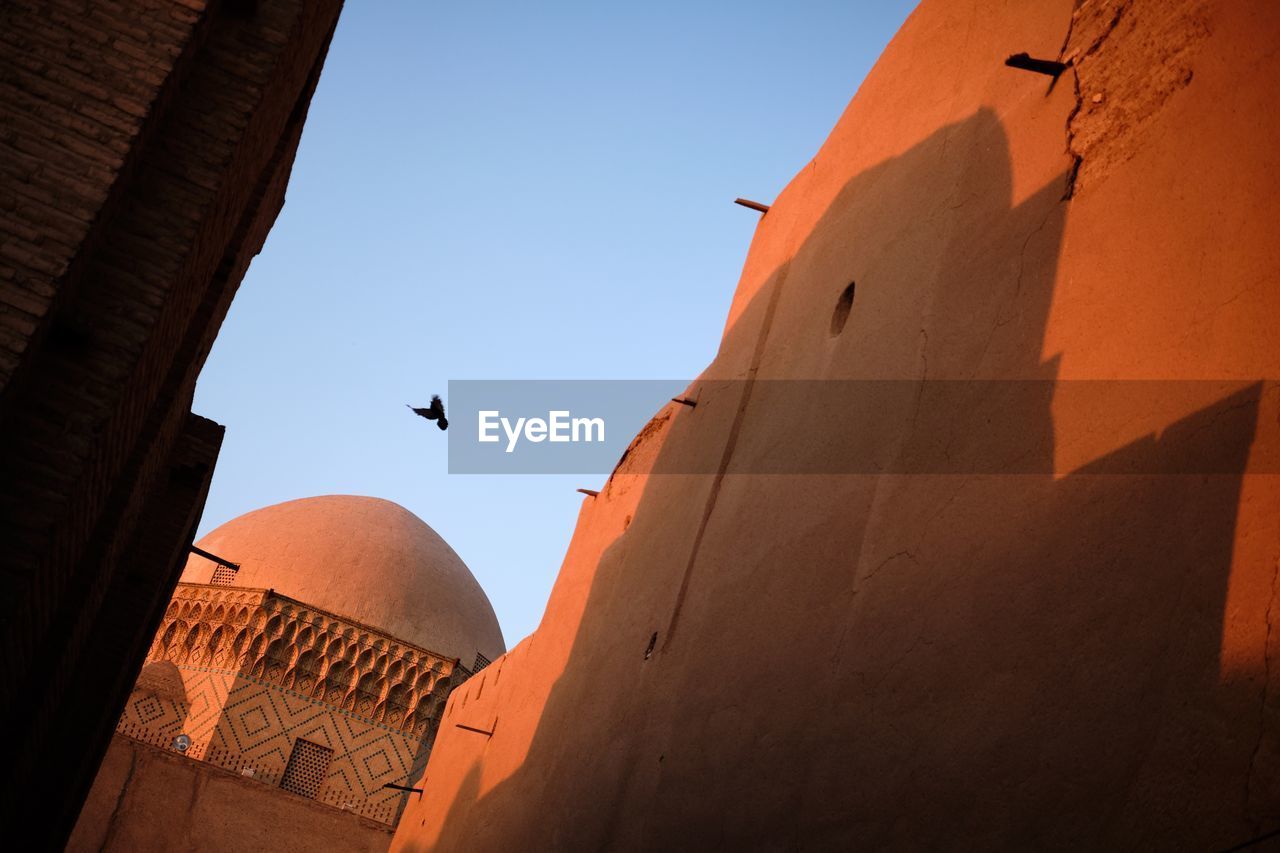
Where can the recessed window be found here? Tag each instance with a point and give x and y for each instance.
(307, 769)
(843, 306)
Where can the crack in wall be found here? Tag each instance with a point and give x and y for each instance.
(1000, 322)
(1250, 771)
(1072, 59)
(1073, 172)
(887, 560)
(1116, 101)
(115, 810)
(924, 379)
(731, 443)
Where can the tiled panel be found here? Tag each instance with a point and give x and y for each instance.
(259, 671)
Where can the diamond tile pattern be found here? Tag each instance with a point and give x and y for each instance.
(260, 724)
(261, 674)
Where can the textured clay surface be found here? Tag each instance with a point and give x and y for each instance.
(155, 800)
(1065, 660)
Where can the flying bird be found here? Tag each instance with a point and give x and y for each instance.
(434, 412)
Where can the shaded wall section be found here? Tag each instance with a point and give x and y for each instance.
(151, 799)
(1074, 656)
(146, 149)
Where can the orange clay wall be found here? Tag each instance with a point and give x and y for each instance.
(148, 798)
(1055, 645)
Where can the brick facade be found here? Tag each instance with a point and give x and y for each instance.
(145, 151)
(222, 810)
(246, 673)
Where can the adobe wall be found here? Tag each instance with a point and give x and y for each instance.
(1029, 631)
(148, 798)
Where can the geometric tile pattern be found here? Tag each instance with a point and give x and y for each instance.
(262, 673)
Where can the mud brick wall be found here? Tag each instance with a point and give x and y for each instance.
(146, 148)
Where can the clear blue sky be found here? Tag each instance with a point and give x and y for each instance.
(510, 191)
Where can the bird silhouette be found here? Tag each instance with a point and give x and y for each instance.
(434, 412)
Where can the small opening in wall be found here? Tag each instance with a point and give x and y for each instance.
(223, 576)
(307, 768)
(653, 641)
(841, 315)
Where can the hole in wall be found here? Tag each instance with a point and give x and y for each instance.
(843, 306)
(653, 641)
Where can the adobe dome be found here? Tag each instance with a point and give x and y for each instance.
(367, 559)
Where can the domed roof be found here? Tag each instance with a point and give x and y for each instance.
(367, 559)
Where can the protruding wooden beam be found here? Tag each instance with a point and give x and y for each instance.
(684, 401)
(215, 558)
(754, 205)
(1048, 67)
(589, 492)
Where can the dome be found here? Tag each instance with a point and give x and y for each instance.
(366, 559)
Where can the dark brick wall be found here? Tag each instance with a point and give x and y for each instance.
(146, 148)
(80, 82)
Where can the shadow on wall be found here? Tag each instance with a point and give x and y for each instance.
(982, 660)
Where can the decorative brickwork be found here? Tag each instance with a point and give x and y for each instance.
(260, 671)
